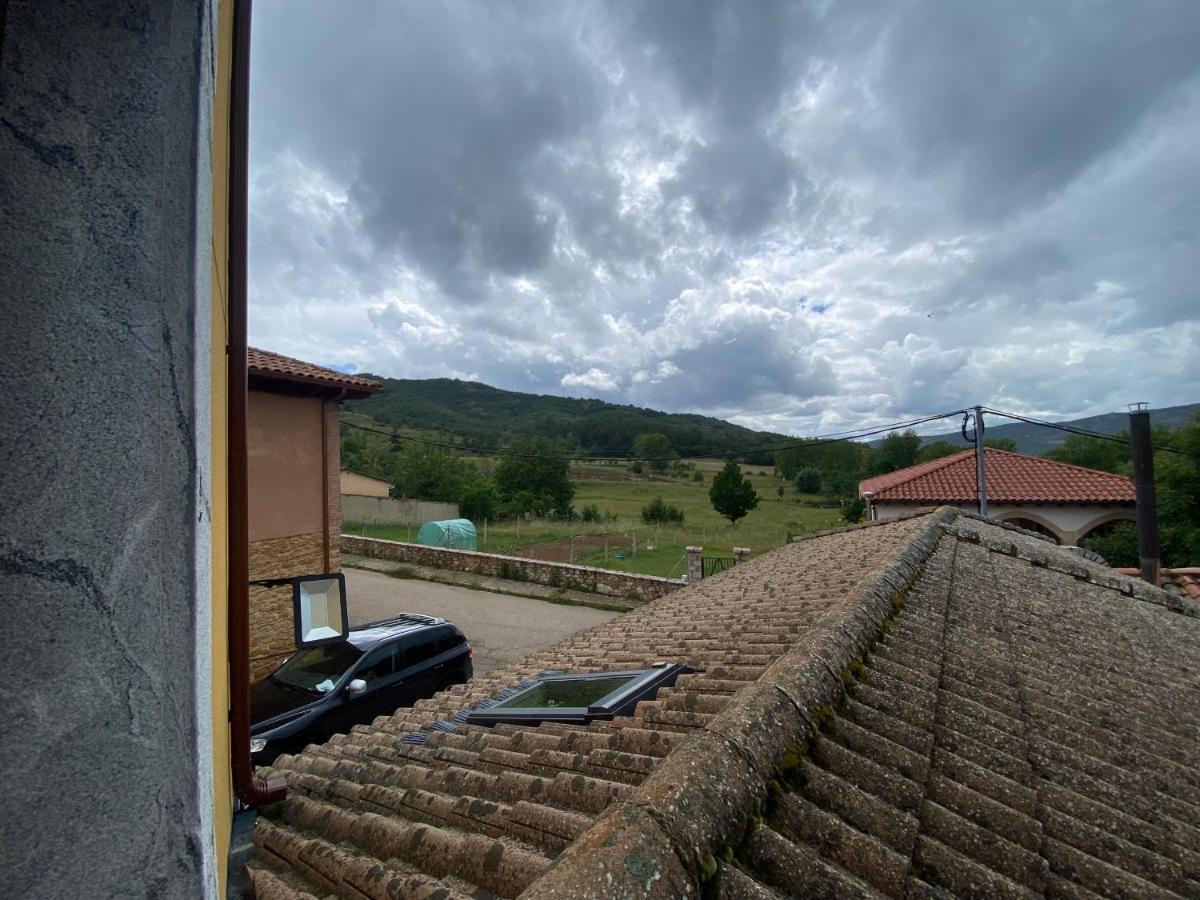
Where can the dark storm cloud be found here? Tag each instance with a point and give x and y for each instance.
(1023, 98)
(633, 200)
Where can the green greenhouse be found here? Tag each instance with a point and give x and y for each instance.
(457, 534)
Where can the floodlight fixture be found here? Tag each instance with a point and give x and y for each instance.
(318, 607)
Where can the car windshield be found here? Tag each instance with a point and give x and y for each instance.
(317, 669)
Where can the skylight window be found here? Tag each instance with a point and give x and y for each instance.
(576, 698)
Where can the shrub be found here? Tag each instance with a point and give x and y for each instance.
(698, 477)
(808, 480)
(657, 512)
(590, 513)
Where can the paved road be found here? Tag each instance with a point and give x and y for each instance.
(501, 628)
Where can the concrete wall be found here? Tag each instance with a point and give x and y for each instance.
(105, 246)
(562, 575)
(364, 485)
(1066, 524)
(384, 511)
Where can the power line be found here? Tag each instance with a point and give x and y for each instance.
(1071, 429)
(798, 443)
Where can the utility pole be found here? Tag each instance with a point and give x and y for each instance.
(980, 461)
(1143, 483)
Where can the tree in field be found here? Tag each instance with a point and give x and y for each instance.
(423, 472)
(656, 450)
(937, 449)
(897, 451)
(731, 493)
(368, 453)
(538, 467)
(479, 500)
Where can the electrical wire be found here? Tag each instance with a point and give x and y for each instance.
(1071, 429)
(798, 443)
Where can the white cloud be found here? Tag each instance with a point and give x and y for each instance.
(596, 380)
(799, 216)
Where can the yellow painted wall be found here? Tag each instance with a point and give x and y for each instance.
(364, 485)
(222, 770)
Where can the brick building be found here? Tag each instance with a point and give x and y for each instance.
(295, 487)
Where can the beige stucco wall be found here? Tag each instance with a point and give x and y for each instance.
(1068, 523)
(294, 455)
(363, 486)
(285, 465)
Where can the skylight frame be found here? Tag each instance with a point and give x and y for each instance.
(644, 684)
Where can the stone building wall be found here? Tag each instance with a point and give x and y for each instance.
(561, 575)
(272, 633)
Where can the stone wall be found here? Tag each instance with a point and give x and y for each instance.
(563, 575)
(272, 633)
(386, 511)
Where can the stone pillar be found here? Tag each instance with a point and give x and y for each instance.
(740, 555)
(695, 564)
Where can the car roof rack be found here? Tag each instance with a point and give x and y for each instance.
(395, 621)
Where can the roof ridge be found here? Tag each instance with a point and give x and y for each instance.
(1081, 568)
(693, 805)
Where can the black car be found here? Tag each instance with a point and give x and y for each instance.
(380, 667)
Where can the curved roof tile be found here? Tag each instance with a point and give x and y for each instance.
(1011, 478)
(265, 364)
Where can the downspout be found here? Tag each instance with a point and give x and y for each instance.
(252, 790)
(325, 533)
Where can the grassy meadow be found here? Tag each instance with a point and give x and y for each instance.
(659, 549)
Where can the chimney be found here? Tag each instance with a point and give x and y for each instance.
(1143, 482)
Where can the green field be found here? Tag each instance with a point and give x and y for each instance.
(659, 549)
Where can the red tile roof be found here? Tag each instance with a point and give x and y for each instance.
(1011, 478)
(275, 366)
(1182, 582)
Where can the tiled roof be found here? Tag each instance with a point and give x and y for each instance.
(1185, 582)
(923, 707)
(1011, 478)
(264, 364)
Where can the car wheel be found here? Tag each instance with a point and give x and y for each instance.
(448, 683)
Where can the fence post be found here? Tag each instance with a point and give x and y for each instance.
(695, 564)
(740, 555)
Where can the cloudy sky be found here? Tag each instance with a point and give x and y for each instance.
(796, 216)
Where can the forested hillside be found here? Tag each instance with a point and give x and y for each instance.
(489, 417)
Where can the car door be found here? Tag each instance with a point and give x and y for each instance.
(382, 670)
(427, 663)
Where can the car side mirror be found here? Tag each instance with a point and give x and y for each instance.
(356, 687)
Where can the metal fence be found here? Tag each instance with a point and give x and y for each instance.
(711, 565)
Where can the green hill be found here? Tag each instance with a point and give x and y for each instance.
(488, 417)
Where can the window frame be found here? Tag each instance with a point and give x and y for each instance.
(644, 685)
